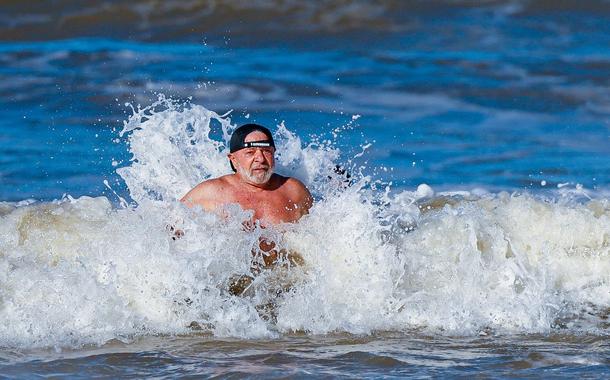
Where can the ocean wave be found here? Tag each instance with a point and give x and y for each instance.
(85, 271)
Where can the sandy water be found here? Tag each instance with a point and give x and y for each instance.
(384, 354)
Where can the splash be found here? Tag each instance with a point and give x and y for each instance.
(82, 271)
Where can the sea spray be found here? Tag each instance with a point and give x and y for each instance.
(81, 271)
(171, 149)
(509, 262)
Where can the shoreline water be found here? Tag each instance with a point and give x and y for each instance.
(388, 355)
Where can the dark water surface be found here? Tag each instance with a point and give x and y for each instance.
(388, 355)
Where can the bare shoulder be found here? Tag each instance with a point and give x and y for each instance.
(298, 192)
(206, 193)
(294, 185)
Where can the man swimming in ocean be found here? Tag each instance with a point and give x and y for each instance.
(273, 198)
(253, 185)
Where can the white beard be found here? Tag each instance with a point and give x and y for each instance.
(258, 179)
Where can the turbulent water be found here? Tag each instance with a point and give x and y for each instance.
(467, 232)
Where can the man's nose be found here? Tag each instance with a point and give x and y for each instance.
(259, 156)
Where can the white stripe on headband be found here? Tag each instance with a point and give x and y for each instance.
(257, 144)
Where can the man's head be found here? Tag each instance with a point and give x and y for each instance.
(252, 150)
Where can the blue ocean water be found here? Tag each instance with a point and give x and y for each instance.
(501, 96)
(461, 98)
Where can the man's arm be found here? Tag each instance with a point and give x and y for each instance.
(201, 195)
(301, 195)
(204, 195)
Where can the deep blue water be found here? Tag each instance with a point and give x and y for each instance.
(456, 99)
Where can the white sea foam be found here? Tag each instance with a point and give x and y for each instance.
(78, 271)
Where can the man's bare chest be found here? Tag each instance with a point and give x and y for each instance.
(274, 207)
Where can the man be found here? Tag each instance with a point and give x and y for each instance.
(253, 185)
(273, 198)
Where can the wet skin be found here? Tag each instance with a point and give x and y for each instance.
(273, 198)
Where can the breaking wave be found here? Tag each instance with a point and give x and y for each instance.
(89, 270)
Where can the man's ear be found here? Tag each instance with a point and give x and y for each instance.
(230, 156)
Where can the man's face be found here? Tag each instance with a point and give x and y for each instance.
(255, 165)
